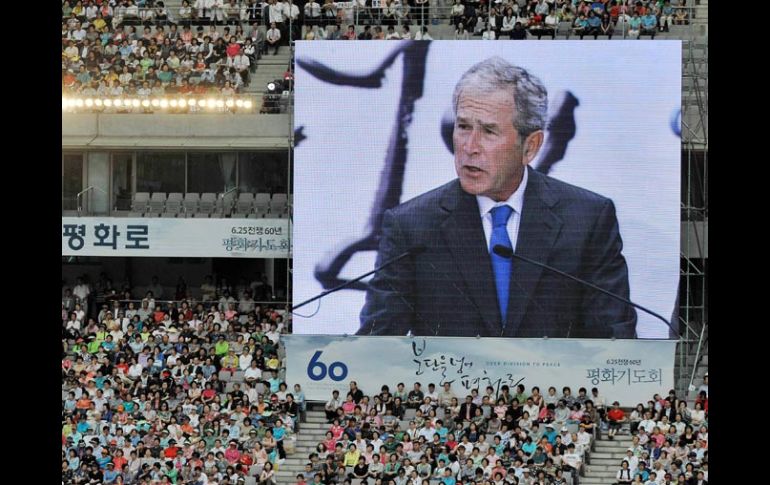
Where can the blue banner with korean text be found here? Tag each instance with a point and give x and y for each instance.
(171, 237)
(629, 371)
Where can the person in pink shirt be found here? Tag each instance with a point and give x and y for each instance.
(232, 455)
(187, 35)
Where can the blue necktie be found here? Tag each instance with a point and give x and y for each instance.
(501, 266)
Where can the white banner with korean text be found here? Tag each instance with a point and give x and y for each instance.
(173, 237)
(629, 371)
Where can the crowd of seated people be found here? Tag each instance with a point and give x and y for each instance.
(418, 436)
(274, 22)
(423, 436)
(106, 54)
(514, 19)
(669, 441)
(173, 391)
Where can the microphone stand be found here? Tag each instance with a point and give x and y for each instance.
(411, 252)
(506, 252)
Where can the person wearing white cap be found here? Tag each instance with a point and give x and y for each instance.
(632, 460)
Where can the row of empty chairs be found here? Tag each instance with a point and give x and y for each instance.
(209, 204)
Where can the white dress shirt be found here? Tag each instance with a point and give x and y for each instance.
(516, 201)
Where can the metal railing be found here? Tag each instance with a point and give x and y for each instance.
(79, 196)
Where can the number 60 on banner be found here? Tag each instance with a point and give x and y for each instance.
(337, 371)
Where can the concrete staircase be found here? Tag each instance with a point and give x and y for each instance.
(312, 432)
(606, 459)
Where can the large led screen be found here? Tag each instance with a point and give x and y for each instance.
(504, 187)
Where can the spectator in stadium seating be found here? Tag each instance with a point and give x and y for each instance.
(488, 34)
(273, 38)
(616, 417)
(635, 26)
(606, 27)
(350, 34)
(636, 417)
(580, 26)
(406, 33)
(423, 34)
(705, 386)
(594, 25)
(392, 34)
(681, 16)
(650, 24)
(461, 33)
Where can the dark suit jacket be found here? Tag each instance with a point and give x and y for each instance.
(464, 408)
(449, 289)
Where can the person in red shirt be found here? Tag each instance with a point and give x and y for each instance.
(245, 461)
(172, 449)
(119, 460)
(233, 48)
(616, 417)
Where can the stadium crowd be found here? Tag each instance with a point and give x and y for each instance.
(190, 391)
(112, 48)
(418, 436)
(183, 391)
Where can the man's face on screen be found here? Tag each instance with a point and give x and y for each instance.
(488, 148)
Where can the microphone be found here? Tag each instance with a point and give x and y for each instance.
(507, 253)
(411, 252)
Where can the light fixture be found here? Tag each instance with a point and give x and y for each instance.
(135, 103)
(118, 102)
(108, 102)
(220, 103)
(164, 103)
(271, 86)
(79, 103)
(146, 102)
(190, 102)
(202, 103)
(89, 102)
(98, 102)
(155, 102)
(239, 103)
(211, 103)
(247, 104)
(230, 103)
(64, 104)
(172, 103)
